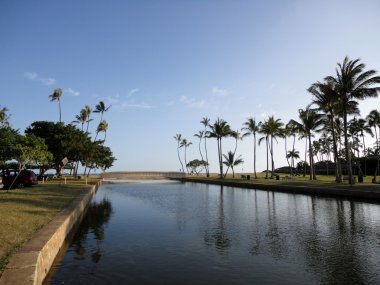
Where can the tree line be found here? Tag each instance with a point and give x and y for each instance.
(49, 145)
(333, 114)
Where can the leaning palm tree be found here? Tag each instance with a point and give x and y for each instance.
(205, 121)
(237, 136)
(353, 83)
(252, 128)
(178, 138)
(200, 135)
(101, 108)
(102, 127)
(219, 130)
(56, 96)
(185, 144)
(230, 161)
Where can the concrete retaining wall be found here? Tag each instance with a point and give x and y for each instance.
(31, 264)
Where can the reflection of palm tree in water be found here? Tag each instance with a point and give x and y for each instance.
(219, 237)
(97, 216)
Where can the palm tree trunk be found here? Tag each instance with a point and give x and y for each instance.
(207, 168)
(187, 169)
(199, 146)
(266, 174)
(254, 155)
(311, 157)
(286, 155)
(347, 151)
(59, 103)
(179, 157)
(271, 156)
(338, 174)
(304, 168)
(220, 157)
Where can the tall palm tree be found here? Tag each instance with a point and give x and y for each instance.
(4, 117)
(206, 121)
(271, 129)
(230, 161)
(219, 130)
(311, 121)
(200, 135)
(252, 128)
(56, 96)
(237, 136)
(292, 129)
(178, 138)
(88, 111)
(264, 129)
(101, 108)
(185, 144)
(353, 83)
(373, 120)
(326, 98)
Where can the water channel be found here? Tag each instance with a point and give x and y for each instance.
(186, 233)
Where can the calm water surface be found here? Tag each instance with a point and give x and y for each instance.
(172, 233)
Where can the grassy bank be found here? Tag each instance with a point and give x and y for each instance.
(323, 181)
(24, 211)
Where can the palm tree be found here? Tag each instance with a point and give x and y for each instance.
(326, 98)
(101, 108)
(56, 96)
(252, 128)
(205, 121)
(373, 120)
(237, 136)
(102, 127)
(291, 130)
(272, 129)
(4, 117)
(230, 161)
(81, 118)
(219, 130)
(293, 155)
(311, 120)
(185, 144)
(200, 135)
(88, 111)
(264, 130)
(352, 83)
(178, 138)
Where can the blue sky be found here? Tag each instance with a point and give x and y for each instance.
(163, 65)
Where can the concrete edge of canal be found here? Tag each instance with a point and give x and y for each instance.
(297, 189)
(31, 264)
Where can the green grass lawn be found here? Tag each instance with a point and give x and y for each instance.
(323, 181)
(24, 211)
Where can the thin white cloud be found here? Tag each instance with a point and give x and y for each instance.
(133, 91)
(72, 92)
(33, 76)
(192, 103)
(216, 91)
(170, 103)
(117, 103)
